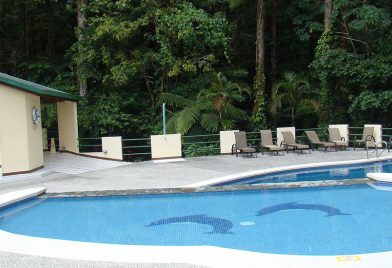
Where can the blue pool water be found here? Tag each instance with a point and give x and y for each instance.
(308, 221)
(339, 172)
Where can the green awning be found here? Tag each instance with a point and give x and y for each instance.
(36, 89)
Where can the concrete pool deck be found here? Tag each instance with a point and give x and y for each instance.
(150, 175)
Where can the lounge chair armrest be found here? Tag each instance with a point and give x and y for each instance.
(370, 138)
(233, 148)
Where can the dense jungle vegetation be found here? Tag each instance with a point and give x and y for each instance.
(217, 64)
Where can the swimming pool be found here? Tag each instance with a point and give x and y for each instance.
(336, 172)
(303, 221)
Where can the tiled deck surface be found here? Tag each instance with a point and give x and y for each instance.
(75, 164)
(149, 175)
(145, 175)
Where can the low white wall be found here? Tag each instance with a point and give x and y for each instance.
(343, 129)
(166, 146)
(111, 149)
(227, 140)
(279, 133)
(377, 134)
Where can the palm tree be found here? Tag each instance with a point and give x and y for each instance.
(294, 91)
(213, 106)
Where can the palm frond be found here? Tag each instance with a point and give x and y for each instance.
(230, 111)
(187, 118)
(174, 100)
(205, 105)
(210, 122)
(171, 124)
(307, 102)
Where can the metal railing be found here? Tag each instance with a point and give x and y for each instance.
(90, 145)
(200, 145)
(139, 149)
(136, 149)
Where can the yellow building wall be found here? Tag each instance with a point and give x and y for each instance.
(21, 140)
(34, 132)
(68, 126)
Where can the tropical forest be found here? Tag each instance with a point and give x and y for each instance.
(215, 64)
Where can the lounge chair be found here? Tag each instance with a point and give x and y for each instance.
(267, 143)
(315, 141)
(241, 144)
(289, 141)
(367, 135)
(335, 137)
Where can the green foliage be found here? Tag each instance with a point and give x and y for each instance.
(213, 107)
(136, 54)
(294, 93)
(305, 19)
(105, 114)
(351, 59)
(150, 41)
(258, 119)
(372, 107)
(195, 150)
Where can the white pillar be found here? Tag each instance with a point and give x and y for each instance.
(67, 115)
(279, 133)
(112, 147)
(377, 134)
(166, 146)
(227, 139)
(343, 129)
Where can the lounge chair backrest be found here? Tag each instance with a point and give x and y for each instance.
(334, 134)
(367, 131)
(266, 137)
(288, 137)
(312, 136)
(240, 139)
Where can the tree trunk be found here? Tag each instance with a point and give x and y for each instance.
(260, 34)
(258, 111)
(274, 43)
(81, 27)
(1, 34)
(25, 33)
(292, 116)
(50, 36)
(327, 14)
(259, 88)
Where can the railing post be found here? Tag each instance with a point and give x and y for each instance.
(164, 118)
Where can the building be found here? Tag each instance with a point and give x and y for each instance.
(21, 146)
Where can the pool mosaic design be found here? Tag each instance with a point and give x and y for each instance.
(343, 220)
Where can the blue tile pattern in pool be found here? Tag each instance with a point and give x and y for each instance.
(331, 211)
(341, 220)
(220, 226)
(337, 172)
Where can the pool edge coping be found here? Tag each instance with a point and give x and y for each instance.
(13, 197)
(209, 256)
(244, 175)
